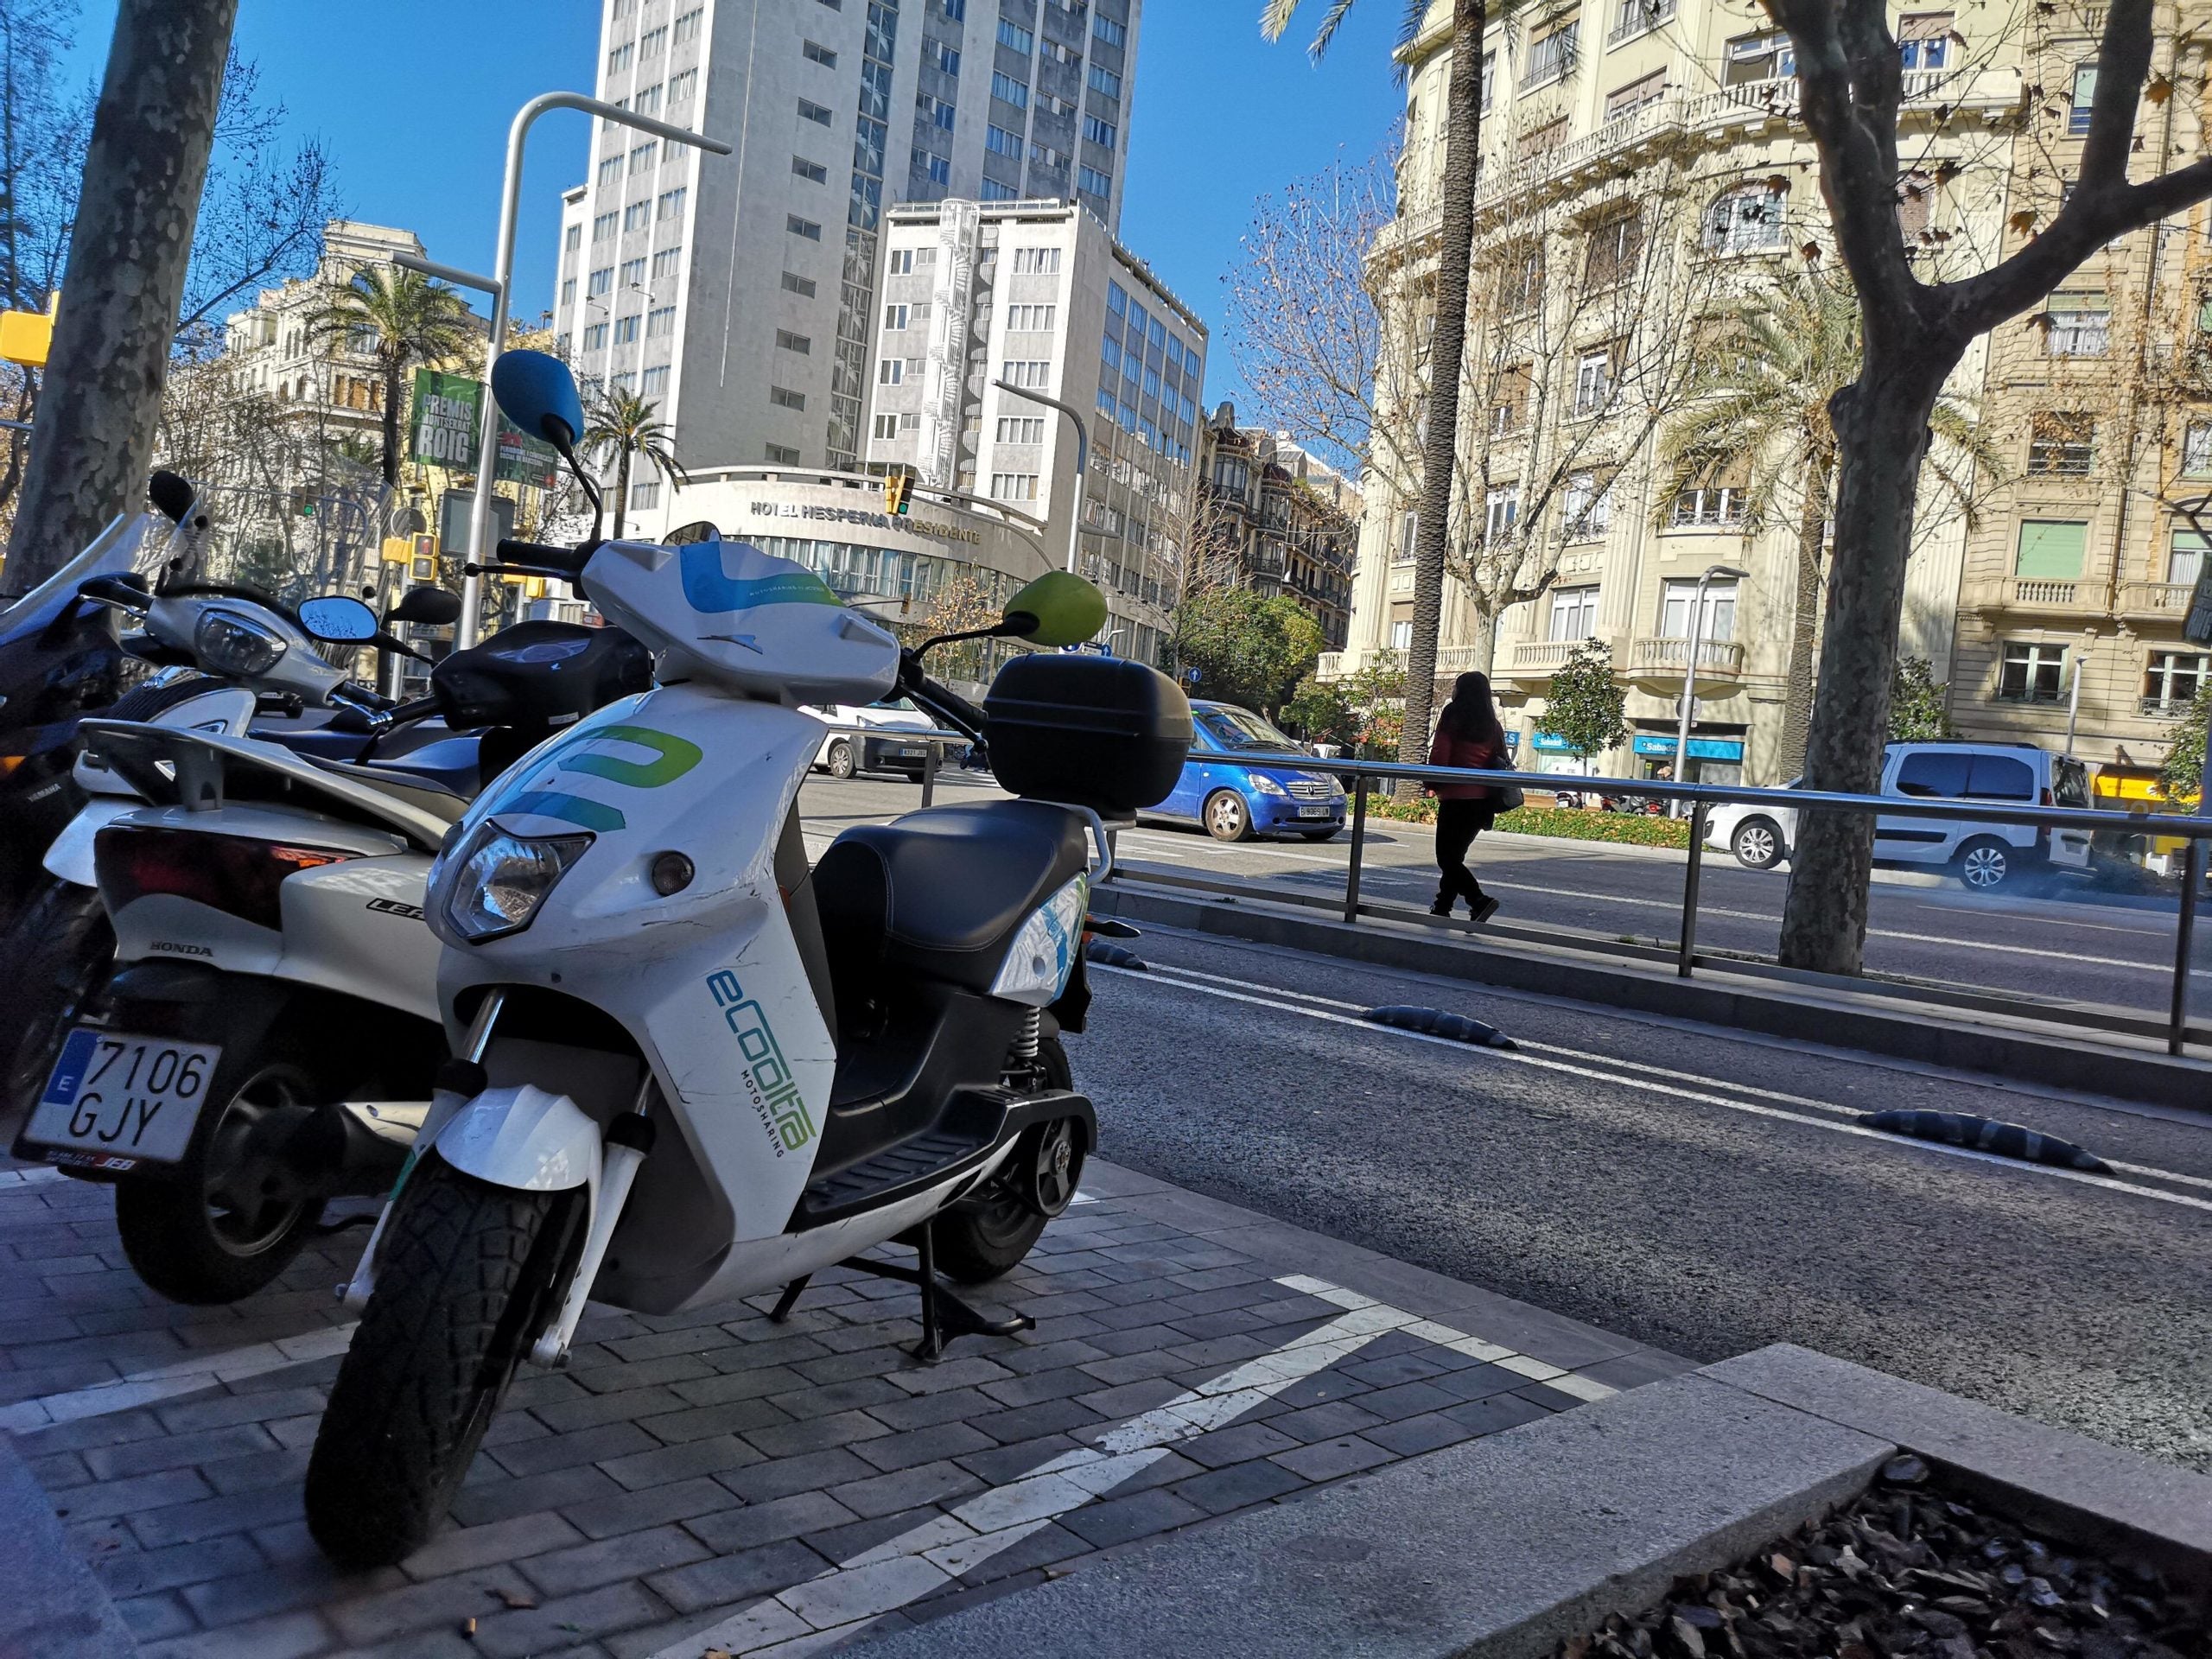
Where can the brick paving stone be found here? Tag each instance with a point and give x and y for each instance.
(732, 1530)
(221, 1410)
(27, 1383)
(854, 1394)
(1046, 1547)
(258, 1470)
(151, 1617)
(863, 1592)
(1230, 1298)
(1327, 1460)
(1319, 1388)
(781, 1476)
(287, 1636)
(725, 1578)
(1239, 1443)
(816, 1434)
(715, 1455)
(1113, 1370)
(1411, 1436)
(1063, 1382)
(1130, 1399)
(560, 1626)
(652, 1506)
(139, 1572)
(1118, 1520)
(545, 1389)
(615, 1377)
(463, 1549)
(920, 1410)
(509, 1427)
(718, 1388)
(1325, 1422)
(423, 1644)
(184, 1524)
(1045, 1417)
(864, 1362)
(1232, 1322)
(112, 1429)
(438, 1602)
(480, 1503)
(1478, 1381)
(1022, 1358)
(1407, 1400)
(58, 1470)
(1132, 1334)
(566, 1416)
(552, 1451)
(1219, 1490)
(1221, 1352)
(262, 1591)
(1002, 1464)
(920, 1445)
(1393, 1368)
(697, 1422)
(875, 1333)
(961, 1373)
(627, 1555)
(906, 1489)
(145, 1494)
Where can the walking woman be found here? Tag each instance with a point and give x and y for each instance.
(1467, 734)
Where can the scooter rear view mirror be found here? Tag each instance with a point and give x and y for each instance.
(339, 618)
(432, 607)
(1059, 608)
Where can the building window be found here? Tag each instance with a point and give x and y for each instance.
(1636, 95)
(795, 283)
(1678, 599)
(671, 203)
(656, 380)
(1585, 511)
(806, 228)
(812, 172)
(618, 60)
(641, 158)
(993, 190)
(602, 225)
(1749, 220)
(937, 167)
(940, 56)
(1007, 90)
(1016, 38)
(999, 142)
(1766, 56)
(653, 42)
(1036, 262)
(1029, 374)
(572, 239)
(1091, 181)
(782, 455)
(637, 215)
(646, 494)
(1574, 613)
(1552, 57)
(891, 372)
(610, 170)
(680, 87)
(800, 344)
(785, 397)
(667, 262)
(1500, 509)
(1635, 17)
(569, 291)
(1021, 428)
(1109, 31)
(687, 25)
(1102, 133)
(2080, 325)
(1715, 499)
(1615, 246)
(600, 281)
(648, 102)
(2052, 550)
(2184, 557)
(895, 316)
(2170, 679)
(1924, 41)
(633, 273)
(2030, 672)
(626, 329)
(1117, 303)
(816, 53)
(2062, 444)
(2085, 97)
(660, 321)
(886, 427)
(809, 111)
(1014, 486)
(902, 262)
(1030, 319)
(1593, 380)
(595, 337)
(1401, 634)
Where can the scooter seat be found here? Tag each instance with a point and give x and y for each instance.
(940, 893)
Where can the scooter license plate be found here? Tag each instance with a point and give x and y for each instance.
(114, 1101)
(1313, 811)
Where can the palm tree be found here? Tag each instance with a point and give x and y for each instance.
(412, 319)
(1448, 347)
(1764, 394)
(629, 425)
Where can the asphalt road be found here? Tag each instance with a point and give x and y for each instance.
(1922, 927)
(1701, 1190)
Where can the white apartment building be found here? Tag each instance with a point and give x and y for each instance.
(737, 292)
(1038, 294)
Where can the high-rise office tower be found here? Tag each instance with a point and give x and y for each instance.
(737, 292)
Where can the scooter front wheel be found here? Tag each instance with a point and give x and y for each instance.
(466, 1279)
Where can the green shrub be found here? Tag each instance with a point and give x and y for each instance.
(1633, 829)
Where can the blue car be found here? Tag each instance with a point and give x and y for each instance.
(1233, 801)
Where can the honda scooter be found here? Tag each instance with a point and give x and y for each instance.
(686, 1068)
(271, 1033)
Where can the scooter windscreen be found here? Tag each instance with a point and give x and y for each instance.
(134, 541)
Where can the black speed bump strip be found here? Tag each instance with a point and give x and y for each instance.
(1986, 1135)
(1114, 955)
(1434, 1022)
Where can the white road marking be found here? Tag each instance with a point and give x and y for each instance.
(188, 1374)
(1519, 1057)
(843, 1601)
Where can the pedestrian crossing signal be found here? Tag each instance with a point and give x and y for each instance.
(896, 490)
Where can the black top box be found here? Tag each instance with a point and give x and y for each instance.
(1090, 731)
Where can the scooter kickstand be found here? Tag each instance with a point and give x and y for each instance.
(944, 1316)
(789, 1300)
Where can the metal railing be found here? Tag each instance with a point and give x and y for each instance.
(1702, 797)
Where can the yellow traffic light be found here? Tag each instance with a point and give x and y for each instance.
(896, 488)
(26, 337)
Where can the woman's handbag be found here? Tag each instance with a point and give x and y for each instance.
(1507, 797)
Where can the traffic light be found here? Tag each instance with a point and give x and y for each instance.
(27, 336)
(896, 490)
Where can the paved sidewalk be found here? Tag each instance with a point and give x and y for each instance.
(713, 1480)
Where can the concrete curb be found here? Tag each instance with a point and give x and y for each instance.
(1502, 1548)
(1903, 1030)
(55, 1608)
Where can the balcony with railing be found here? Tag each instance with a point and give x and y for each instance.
(2155, 602)
(1531, 663)
(1720, 662)
(2039, 596)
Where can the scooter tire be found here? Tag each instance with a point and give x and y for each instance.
(465, 1282)
(990, 1237)
(58, 954)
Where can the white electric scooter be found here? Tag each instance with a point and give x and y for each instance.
(688, 1069)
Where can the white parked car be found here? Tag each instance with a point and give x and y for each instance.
(881, 748)
(1982, 856)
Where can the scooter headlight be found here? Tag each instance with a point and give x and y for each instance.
(502, 880)
(227, 643)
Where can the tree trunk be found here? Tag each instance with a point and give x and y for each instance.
(392, 375)
(1805, 619)
(1447, 350)
(1882, 430)
(621, 491)
(128, 252)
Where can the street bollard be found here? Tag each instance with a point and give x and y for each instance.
(1687, 951)
(1358, 845)
(2192, 874)
(930, 752)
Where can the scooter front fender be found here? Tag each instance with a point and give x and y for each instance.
(524, 1138)
(69, 855)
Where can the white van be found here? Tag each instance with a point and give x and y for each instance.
(1982, 856)
(880, 747)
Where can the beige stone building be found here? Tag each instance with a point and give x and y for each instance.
(1279, 518)
(1616, 127)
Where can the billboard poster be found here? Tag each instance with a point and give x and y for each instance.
(443, 427)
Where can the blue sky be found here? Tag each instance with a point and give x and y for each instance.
(412, 98)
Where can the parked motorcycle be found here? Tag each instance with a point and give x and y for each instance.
(60, 657)
(271, 1033)
(237, 660)
(689, 1069)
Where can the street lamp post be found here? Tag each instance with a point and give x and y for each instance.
(1082, 454)
(488, 436)
(2074, 695)
(1690, 666)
